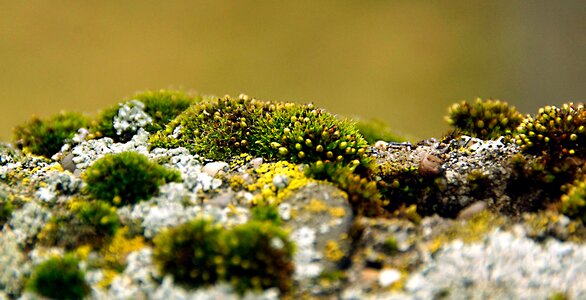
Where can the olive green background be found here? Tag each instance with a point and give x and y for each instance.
(400, 61)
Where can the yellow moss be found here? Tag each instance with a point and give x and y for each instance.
(337, 212)
(120, 246)
(332, 251)
(316, 206)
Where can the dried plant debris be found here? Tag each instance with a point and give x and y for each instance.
(171, 195)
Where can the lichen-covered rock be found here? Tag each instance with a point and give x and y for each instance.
(303, 208)
(320, 224)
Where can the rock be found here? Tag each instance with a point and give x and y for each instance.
(215, 168)
(320, 222)
(388, 277)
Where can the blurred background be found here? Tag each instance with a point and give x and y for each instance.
(403, 62)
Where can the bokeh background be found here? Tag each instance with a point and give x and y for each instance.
(403, 62)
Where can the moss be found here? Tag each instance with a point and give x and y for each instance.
(554, 132)
(485, 119)
(374, 130)
(85, 223)
(193, 253)
(46, 136)
(266, 213)
(391, 246)
(259, 257)
(162, 106)
(536, 181)
(6, 209)
(404, 185)
(251, 256)
(220, 128)
(59, 278)
(573, 202)
(126, 178)
(558, 296)
(362, 191)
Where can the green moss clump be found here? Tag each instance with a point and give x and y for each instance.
(252, 256)
(554, 132)
(220, 128)
(259, 257)
(194, 253)
(86, 223)
(573, 203)
(391, 246)
(99, 215)
(126, 178)
(374, 130)
(5, 210)
(266, 213)
(362, 191)
(484, 119)
(46, 136)
(162, 106)
(59, 278)
(536, 181)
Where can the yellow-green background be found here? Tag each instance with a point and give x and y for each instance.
(400, 61)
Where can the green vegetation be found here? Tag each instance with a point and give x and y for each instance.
(374, 130)
(362, 192)
(162, 106)
(193, 252)
(259, 257)
(220, 128)
(59, 278)
(554, 132)
(266, 212)
(573, 203)
(126, 178)
(256, 255)
(484, 119)
(5, 210)
(86, 223)
(98, 214)
(391, 246)
(46, 136)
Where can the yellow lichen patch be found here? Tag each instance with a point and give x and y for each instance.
(236, 182)
(233, 211)
(468, 231)
(316, 206)
(337, 212)
(240, 160)
(332, 251)
(120, 246)
(109, 275)
(55, 167)
(83, 251)
(269, 193)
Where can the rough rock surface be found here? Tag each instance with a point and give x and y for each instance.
(472, 250)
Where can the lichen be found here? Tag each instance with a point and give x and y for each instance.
(151, 110)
